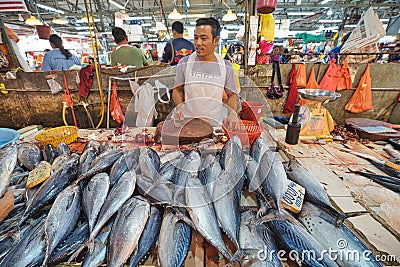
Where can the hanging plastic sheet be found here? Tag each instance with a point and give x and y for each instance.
(115, 107)
(362, 98)
(293, 93)
(331, 77)
(345, 81)
(301, 77)
(311, 84)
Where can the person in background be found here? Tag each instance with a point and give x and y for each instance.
(125, 54)
(395, 58)
(180, 46)
(59, 58)
(203, 78)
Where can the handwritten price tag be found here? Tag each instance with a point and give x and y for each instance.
(294, 197)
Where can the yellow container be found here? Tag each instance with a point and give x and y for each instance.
(54, 136)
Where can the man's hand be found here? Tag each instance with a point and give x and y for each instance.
(179, 116)
(232, 121)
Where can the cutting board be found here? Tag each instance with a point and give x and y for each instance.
(358, 123)
(187, 132)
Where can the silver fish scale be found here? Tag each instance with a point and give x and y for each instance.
(117, 196)
(8, 160)
(321, 226)
(94, 195)
(296, 237)
(148, 237)
(174, 241)
(202, 213)
(32, 245)
(126, 231)
(62, 217)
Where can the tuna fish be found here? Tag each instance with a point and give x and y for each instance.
(117, 196)
(63, 148)
(29, 155)
(59, 162)
(149, 163)
(49, 153)
(85, 160)
(174, 241)
(94, 196)
(275, 184)
(57, 181)
(8, 160)
(126, 231)
(62, 218)
(296, 238)
(321, 226)
(171, 156)
(209, 171)
(314, 190)
(168, 169)
(90, 144)
(101, 163)
(226, 204)
(257, 242)
(69, 245)
(99, 253)
(148, 238)
(105, 146)
(202, 213)
(32, 246)
(128, 161)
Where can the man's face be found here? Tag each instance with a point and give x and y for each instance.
(203, 41)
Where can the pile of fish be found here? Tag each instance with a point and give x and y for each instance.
(108, 205)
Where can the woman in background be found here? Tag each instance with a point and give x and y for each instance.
(59, 58)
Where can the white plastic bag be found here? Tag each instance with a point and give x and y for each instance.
(145, 105)
(55, 87)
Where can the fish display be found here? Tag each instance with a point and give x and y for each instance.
(133, 200)
(321, 225)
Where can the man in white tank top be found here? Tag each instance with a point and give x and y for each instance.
(205, 85)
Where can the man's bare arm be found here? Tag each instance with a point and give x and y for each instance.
(233, 103)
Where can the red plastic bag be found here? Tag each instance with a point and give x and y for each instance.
(331, 77)
(115, 107)
(293, 92)
(301, 77)
(345, 81)
(362, 98)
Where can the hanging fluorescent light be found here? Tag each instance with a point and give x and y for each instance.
(229, 16)
(50, 8)
(301, 13)
(116, 4)
(175, 15)
(60, 21)
(33, 21)
(324, 2)
(350, 26)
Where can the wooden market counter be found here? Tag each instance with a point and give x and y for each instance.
(378, 227)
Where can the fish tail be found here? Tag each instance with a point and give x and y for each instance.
(76, 253)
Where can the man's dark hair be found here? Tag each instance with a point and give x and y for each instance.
(178, 27)
(57, 41)
(118, 34)
(215, 27)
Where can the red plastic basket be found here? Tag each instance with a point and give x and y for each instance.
(247, 133)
